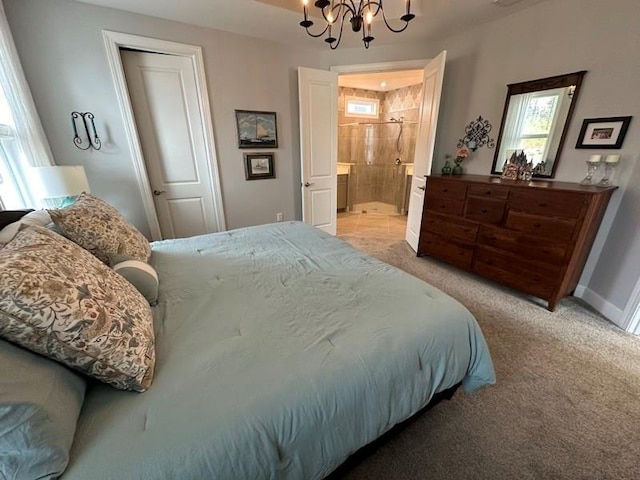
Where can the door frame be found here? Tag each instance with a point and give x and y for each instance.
(419, 64)
(114, 41)
(630, 320)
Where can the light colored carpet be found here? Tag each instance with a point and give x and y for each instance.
(566, 404)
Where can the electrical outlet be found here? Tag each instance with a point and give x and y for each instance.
(280, 217)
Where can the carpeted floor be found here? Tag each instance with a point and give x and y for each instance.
(566, 404)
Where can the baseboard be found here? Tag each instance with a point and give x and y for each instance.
(603, 306)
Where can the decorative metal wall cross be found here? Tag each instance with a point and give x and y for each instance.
(93, 141)
(477, 135)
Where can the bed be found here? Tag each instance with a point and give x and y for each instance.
(280, 351)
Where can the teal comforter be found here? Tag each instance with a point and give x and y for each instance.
(280, 351)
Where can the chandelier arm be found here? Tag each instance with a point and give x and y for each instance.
(319, 34)
(350, 8)
(384, 17)
(376, 4)
(335, 44)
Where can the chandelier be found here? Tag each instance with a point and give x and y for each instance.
(336, 13)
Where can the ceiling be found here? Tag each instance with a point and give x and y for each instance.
(278, 20)
(381, 81)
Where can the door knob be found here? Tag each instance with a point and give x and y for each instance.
(422, 188)
(159, 192)
(307, 184)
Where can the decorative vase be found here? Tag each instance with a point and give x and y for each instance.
(446, 170)
(457, 170)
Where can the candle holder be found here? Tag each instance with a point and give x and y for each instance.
(592, 168)
(609, 169)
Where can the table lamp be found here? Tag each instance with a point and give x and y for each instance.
(58, 185)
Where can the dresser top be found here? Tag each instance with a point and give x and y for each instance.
(541, 184)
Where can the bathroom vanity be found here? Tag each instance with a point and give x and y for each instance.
(532, 236)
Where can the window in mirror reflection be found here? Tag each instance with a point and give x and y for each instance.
(534, 123)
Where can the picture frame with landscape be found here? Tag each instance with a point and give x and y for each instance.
(256, 129)
(603, 133)
(259, 166)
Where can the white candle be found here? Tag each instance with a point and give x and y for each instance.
(612, 159)
(595, 159)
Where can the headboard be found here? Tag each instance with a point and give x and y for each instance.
(10, 216)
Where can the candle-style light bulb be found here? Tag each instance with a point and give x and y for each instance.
(330, 18)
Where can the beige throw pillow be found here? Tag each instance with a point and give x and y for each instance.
(58, 300)
(142, 276)
(99, 228)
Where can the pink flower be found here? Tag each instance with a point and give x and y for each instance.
(463, 152)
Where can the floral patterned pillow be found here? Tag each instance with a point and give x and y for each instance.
(98, 227)
(58, 300)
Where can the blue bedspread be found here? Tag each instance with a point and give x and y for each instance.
(280, 351)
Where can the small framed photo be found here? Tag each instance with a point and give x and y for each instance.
(598, 133)
(258, 166)
(256, 129)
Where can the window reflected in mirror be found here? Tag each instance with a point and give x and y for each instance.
(536, 117)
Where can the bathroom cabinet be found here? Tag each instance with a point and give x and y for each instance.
(343, 184)
(533, 236)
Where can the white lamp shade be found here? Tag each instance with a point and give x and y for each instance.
(56, 182)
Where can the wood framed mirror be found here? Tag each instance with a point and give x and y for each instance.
(536, 119)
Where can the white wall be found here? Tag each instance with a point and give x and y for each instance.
(61, 47)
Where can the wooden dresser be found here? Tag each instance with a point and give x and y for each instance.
(532, 236)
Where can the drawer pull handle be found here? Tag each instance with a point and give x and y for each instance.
(488, 192)
(537, 225)
(445, 190)
(543, 205)
(484, 210)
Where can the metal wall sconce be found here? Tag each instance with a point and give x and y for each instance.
(477, 135)
(92, 141)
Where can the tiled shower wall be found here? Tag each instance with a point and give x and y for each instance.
(374, 149)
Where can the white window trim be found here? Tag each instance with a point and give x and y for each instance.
(547, 136)
(353, 98)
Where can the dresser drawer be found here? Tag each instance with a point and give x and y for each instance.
(560, 229)
(449, 189)
(548, 204)
(484, 210)
(449, 206)
(532, 247)
(451, 251)
(450, 226)
(526, 276)
(488, 191)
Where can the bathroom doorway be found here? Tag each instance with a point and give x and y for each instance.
(378, 118)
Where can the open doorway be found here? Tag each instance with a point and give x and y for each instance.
(378, 118)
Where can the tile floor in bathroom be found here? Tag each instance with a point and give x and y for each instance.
(371, 225)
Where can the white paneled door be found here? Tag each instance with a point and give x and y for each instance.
(318, 91)
(425, 142)
(165, 100)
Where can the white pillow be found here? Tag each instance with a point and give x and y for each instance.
(142, 276)
(38, 217)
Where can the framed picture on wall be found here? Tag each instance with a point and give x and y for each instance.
(256, 129)
(598, 133)
(258, 166)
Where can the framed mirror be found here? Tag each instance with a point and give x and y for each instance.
(536, 119)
